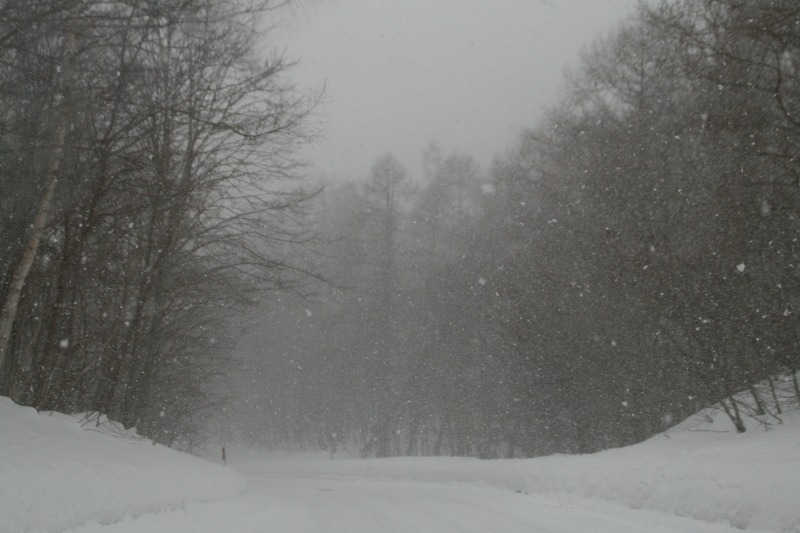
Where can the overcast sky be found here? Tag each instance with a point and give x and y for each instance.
(468, 73)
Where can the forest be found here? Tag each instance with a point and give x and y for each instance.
(149, 191)
(631, 259)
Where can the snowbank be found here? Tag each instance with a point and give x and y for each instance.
(700, 469)
(56, 473)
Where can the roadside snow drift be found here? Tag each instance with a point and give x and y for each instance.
(700, 469)
(56, 473)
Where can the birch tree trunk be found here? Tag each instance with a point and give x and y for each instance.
(23, 268)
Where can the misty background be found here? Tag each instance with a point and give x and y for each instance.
(423, 238)
(470, 74)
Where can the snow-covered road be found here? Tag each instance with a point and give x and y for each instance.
(287, 500)
(57, 474)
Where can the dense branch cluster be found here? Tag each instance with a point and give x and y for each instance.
(633, 258)
(146, 175)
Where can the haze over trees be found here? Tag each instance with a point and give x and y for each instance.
(146, 174)
(633, 258)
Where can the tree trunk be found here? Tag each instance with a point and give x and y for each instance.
(775, 399)
(413, 435)
(757, 399)
(437, 447)
(23, 268)
(734, 414)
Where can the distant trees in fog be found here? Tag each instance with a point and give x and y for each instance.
(633, 258)
(155, 145)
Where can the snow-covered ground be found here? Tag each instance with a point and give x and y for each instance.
(293, 503)
(58, 472)
(701, 469)
(700, 476)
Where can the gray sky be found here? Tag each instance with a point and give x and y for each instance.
(468, 73)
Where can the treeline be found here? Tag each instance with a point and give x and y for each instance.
(632, 259)
(146, 191)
